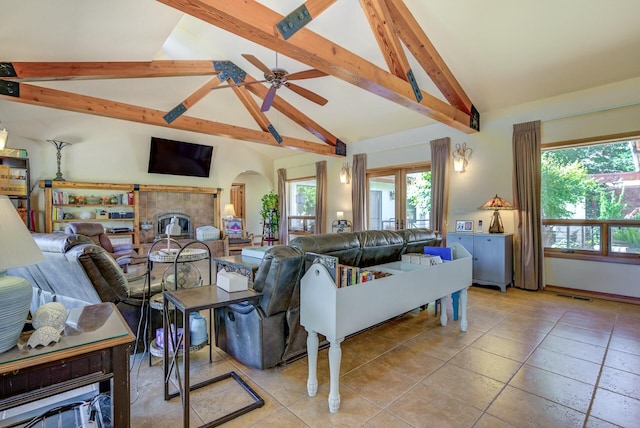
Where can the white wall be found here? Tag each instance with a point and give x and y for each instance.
(256, 186)
(604, 110)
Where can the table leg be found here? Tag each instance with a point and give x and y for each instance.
(121, 393)
(335, 357)
(185, 358)
(463, 309)
(443, 310)
(312, 357)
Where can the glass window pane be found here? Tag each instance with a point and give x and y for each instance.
(569, 237)
(625, 239)
(382, 204)
(418, 199)
(302, 197)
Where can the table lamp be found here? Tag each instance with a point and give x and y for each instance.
(17, 249)
(172, 229)
(496, 204)
(229, 211)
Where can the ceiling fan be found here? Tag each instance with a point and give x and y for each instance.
(279, 77)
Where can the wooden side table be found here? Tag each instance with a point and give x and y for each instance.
(187, 301)
(96, 350)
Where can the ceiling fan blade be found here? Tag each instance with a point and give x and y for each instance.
(268, 99)
(307, 74)
(258, 64)
(311, 96)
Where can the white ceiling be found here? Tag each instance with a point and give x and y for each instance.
(503, 53)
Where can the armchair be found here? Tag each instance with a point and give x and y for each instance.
(238, 237)
(124, 254)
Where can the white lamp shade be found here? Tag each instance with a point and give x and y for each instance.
(17, 247)
(229, 211)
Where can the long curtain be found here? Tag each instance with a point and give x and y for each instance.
(440, 149)
(359, 191)
(321, 196)
(529, 255)
(282, 206)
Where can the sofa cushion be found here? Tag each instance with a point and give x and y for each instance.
(280, 271)
(58, 242)
(344, 246)
(379, 246)
(416, 239)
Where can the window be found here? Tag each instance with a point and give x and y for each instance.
(590, 200)
(301, 206)
(399, 198)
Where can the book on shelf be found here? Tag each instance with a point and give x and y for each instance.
(352, 275)
(329, 262)
(421, 259)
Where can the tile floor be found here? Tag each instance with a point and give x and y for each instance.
(528, 359)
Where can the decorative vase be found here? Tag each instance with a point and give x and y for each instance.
(198, 327)
(15, 295)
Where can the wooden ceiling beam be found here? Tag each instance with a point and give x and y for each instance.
(34, 71)
(254, 110)
(255, 22)
(191, 100)
(293, 113)
(427, 56)
(301, 16)
(388, 41)
(53, 98)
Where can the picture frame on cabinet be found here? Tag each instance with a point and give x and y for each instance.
(464, 225)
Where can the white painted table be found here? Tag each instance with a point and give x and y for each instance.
(338, 312)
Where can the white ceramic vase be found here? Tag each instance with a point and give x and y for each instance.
(15, 295)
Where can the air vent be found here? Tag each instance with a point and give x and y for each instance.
(586, 299)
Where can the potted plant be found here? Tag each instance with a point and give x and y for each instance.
(270, 215)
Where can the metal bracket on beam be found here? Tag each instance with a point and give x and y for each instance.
(11, 89)
(275, 134)
(229, 70)
(414, 85)
(474, 121)
(294, 21)
(7, 70)
(175, 113)
(341, 148)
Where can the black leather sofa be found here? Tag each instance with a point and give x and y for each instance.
(268, 332)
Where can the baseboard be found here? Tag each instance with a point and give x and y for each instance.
(592, 294)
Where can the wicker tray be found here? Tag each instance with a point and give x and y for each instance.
(187, 255)
(156, 351)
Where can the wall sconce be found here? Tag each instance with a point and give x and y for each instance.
(3, 138)
(460, 156)
(345, 174)
(340, 215)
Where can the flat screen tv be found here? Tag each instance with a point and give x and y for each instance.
(179, 158)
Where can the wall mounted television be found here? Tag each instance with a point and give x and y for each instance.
(179, 158)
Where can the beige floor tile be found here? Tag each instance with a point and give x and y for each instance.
(573, 348)
(593, 422)
(378, 383)
(628, 326)
(486, 364)
(625, 344)
(623, 361)
(564, 365)
(467, 386)
(518, 333)
(615, 408)
(504, 347)
(489, 421)
(620, 382)
(386, 420)
(425, 406)
(409, 362)
(354, 410)
(580, 334)
(560, 389)
(530, 321)
(589, 319)
(523, 409)
(278, 419)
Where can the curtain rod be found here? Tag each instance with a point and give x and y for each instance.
(584, 113)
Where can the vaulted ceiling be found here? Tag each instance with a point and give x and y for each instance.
(391, 64)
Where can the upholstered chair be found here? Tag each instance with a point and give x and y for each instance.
(124, 254)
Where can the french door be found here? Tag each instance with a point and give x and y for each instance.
(399, 197)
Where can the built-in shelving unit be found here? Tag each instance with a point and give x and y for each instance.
(15, 183)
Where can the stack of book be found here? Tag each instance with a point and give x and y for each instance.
(421, 259)
(343, 275)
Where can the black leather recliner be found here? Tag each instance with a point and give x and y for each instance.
(268, 333)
